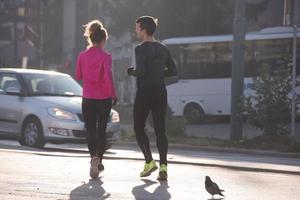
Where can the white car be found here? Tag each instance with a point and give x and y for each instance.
(39, 106)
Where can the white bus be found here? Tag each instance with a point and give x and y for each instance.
(204, 69)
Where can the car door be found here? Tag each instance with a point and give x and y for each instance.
(10, 104)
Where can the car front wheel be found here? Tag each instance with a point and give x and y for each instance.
(32, 133)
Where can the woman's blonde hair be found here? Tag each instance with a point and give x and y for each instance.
(95, 32)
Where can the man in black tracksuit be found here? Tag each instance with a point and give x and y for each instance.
(153, 63)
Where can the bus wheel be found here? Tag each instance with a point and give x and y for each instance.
(194, 113)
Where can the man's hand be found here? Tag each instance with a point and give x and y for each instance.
(130, 70)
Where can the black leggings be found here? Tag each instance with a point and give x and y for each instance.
(96, 112)
(152, 99)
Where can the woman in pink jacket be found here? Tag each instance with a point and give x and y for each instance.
(94, 69)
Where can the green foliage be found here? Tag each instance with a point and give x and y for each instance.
(127, 136)
(270, 107)
(175, 126)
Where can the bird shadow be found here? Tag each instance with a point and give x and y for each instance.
(215, 199)
(92, 189)
(160, 192)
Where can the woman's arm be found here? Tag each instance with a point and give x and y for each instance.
(78, 74)
(108, 75)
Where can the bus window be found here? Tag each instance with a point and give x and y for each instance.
(206, 60)
(272, 51)
(223, 51)
(251, 66)
(176, 55)
(197, 60)
(223, 60)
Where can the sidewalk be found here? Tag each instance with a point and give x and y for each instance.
(179, 154)
(251, 161)
(233, 158)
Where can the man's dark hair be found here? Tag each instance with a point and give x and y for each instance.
(147, 23)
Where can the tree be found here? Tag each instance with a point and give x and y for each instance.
(179, 18)
(270, 107)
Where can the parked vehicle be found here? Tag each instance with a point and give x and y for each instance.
(203, 87)
(38, 106)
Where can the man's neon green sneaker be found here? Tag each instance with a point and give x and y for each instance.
(163, 173)
(148, 169)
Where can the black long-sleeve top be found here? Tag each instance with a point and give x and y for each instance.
(153, 63)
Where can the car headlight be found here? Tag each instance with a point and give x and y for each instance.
(114, 116)
(59, 113)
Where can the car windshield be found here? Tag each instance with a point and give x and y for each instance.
(52, 85)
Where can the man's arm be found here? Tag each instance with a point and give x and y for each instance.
(171, 68)
(140, 60)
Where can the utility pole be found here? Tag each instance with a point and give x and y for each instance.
(237, 83)
(15, 22)
(295, 32)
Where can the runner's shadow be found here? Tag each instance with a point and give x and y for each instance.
(91, 190)
(160, 192)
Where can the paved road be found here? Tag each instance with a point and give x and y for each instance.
(53, 174)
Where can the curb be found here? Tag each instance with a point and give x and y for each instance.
(221, 149)
(240, 168)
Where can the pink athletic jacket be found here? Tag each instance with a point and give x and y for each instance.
(94, 68)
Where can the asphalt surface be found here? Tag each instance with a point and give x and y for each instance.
(32, 175)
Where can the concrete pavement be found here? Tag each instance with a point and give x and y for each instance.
(177, 155)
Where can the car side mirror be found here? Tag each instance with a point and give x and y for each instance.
(13, 91)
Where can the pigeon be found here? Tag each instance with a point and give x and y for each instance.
(212, 187)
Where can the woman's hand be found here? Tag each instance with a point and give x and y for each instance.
(114, 101)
